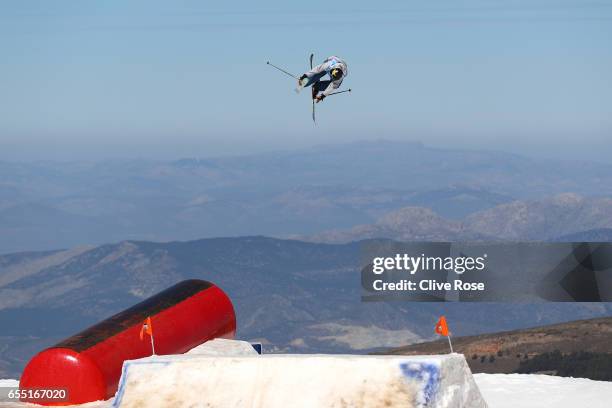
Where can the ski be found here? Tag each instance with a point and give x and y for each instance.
(313, 93)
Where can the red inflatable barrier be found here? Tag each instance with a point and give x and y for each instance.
(88, 365)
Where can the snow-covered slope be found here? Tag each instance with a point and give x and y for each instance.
(543, 391)
(500, 391)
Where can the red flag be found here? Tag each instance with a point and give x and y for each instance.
(442, 327)
(147, 327)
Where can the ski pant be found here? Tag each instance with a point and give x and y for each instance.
(317, 84)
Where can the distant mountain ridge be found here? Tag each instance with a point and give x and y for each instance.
(543, 219)
(48, 205)
(560, 217)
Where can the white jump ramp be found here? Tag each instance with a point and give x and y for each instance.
(225, 373)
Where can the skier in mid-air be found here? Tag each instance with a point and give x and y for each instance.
(333, 66)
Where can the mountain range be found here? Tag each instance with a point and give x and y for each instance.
(131, 228)
(563, 217)
(51, 205)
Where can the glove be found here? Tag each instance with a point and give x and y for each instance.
(320, 97)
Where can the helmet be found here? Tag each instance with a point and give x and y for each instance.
(336, 73)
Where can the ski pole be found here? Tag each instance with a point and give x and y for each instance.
(339, 92)
(282, 70)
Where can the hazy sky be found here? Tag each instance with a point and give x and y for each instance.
(94, 79)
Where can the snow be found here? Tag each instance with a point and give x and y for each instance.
(543, 391)
(224, 347)
(306, 380)
(498, 390)
(9, 383)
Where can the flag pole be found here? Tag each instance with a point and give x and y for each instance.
(449, 343)
(153, 344)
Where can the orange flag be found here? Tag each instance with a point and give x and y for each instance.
(147, 327)
(442, 327)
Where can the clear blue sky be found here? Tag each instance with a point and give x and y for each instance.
(94, 79)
